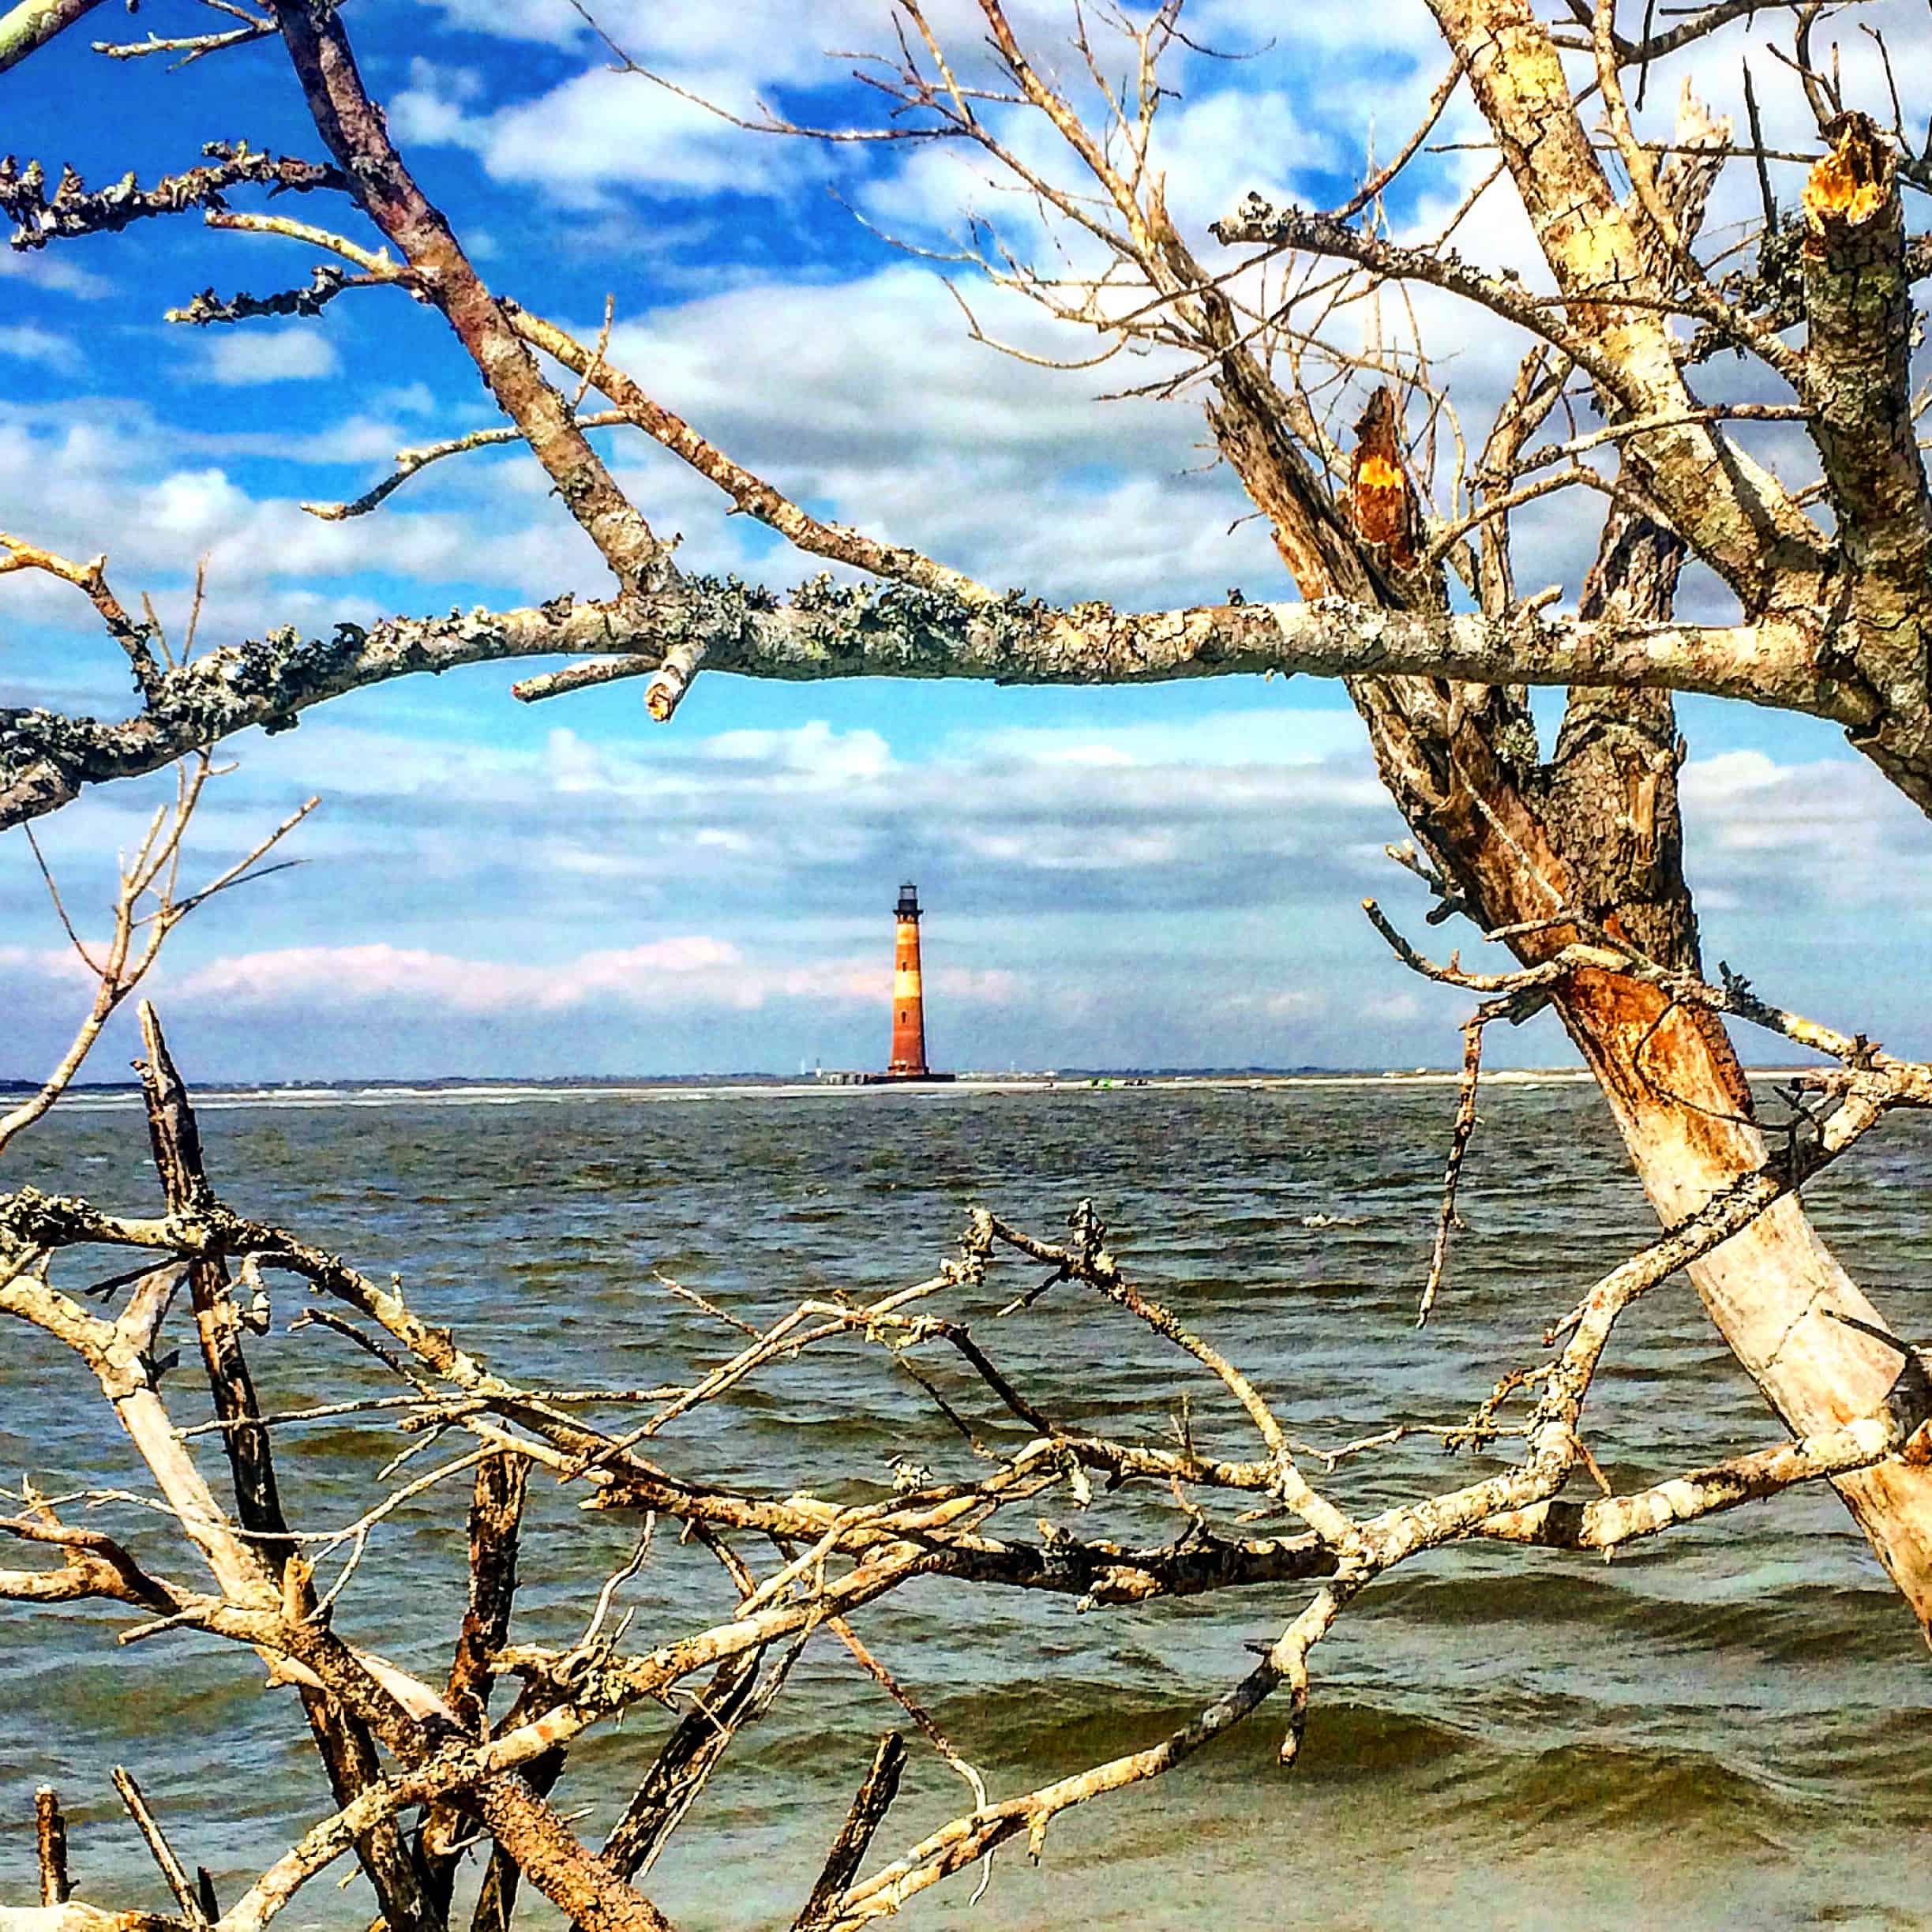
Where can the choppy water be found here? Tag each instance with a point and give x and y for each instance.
(1726, 1728)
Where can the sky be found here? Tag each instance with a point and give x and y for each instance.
(1165, 876)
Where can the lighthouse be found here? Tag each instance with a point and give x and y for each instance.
(909, 1008)
(909, 1013)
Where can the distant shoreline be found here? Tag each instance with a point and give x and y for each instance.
(102, 1097)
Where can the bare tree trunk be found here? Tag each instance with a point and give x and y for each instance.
(1597, 832)
(1675, 1087)
(1774, 1290)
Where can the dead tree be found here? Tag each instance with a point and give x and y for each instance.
(1408, 589)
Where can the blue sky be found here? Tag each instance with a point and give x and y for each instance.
(1160, 875)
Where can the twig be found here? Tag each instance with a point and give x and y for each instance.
(1458, 1146)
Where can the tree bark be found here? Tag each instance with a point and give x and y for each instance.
(1597, 832)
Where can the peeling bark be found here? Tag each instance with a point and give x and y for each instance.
(1599, 834)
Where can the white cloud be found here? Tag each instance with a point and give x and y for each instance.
(1073, 847)
(686, 973)
(1291, 1000)
(552, 21)
(867, 399)
(794, 762)
(1827, 826)
(814, 751)
(26, 343)
(1398, 1007)
(760, 42)
(1218, 146)
(57, 964)
(602, 130)
(743, 849)
(1198, 893)
(115, 478)
(410, 399)
(689, 966)
(1266, 735)
(875, 366)
(251, 353)
(54, 271)
(373, 440)
(1320, 33)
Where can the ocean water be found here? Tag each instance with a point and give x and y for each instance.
(1726, 1728)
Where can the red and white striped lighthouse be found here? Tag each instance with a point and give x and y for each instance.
(908, 1014)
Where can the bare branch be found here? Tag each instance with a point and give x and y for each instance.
(191, 48)
(350, 122)
(870, 1804)
(50, 1847)
(162, 1853)
(828, 630)
(74, 209)
(1859, 347)
(147, 908)
(1458, 1147)
(136, 640)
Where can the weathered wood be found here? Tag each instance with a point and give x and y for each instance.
(175, 1137)
(1774, 1290)
(51, 1847)
(27, 27)
(1680, 1100)
(1858, 304)
(1598, 833)
(681, 1767)
(496, 1510)
(869, 1805)
(347, 1751)
(573, 1878)
(1583, 847)
(1678, 1092)
(357, 136)
(496, 1898)
(162, 1853)
(828, 630)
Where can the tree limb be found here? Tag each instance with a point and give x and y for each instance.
(28, 27)
(828, 631)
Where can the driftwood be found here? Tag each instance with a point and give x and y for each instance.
(870, 1804)
(473, 1776)
(1403, 562)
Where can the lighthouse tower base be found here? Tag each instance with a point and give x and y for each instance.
(829, 1076)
